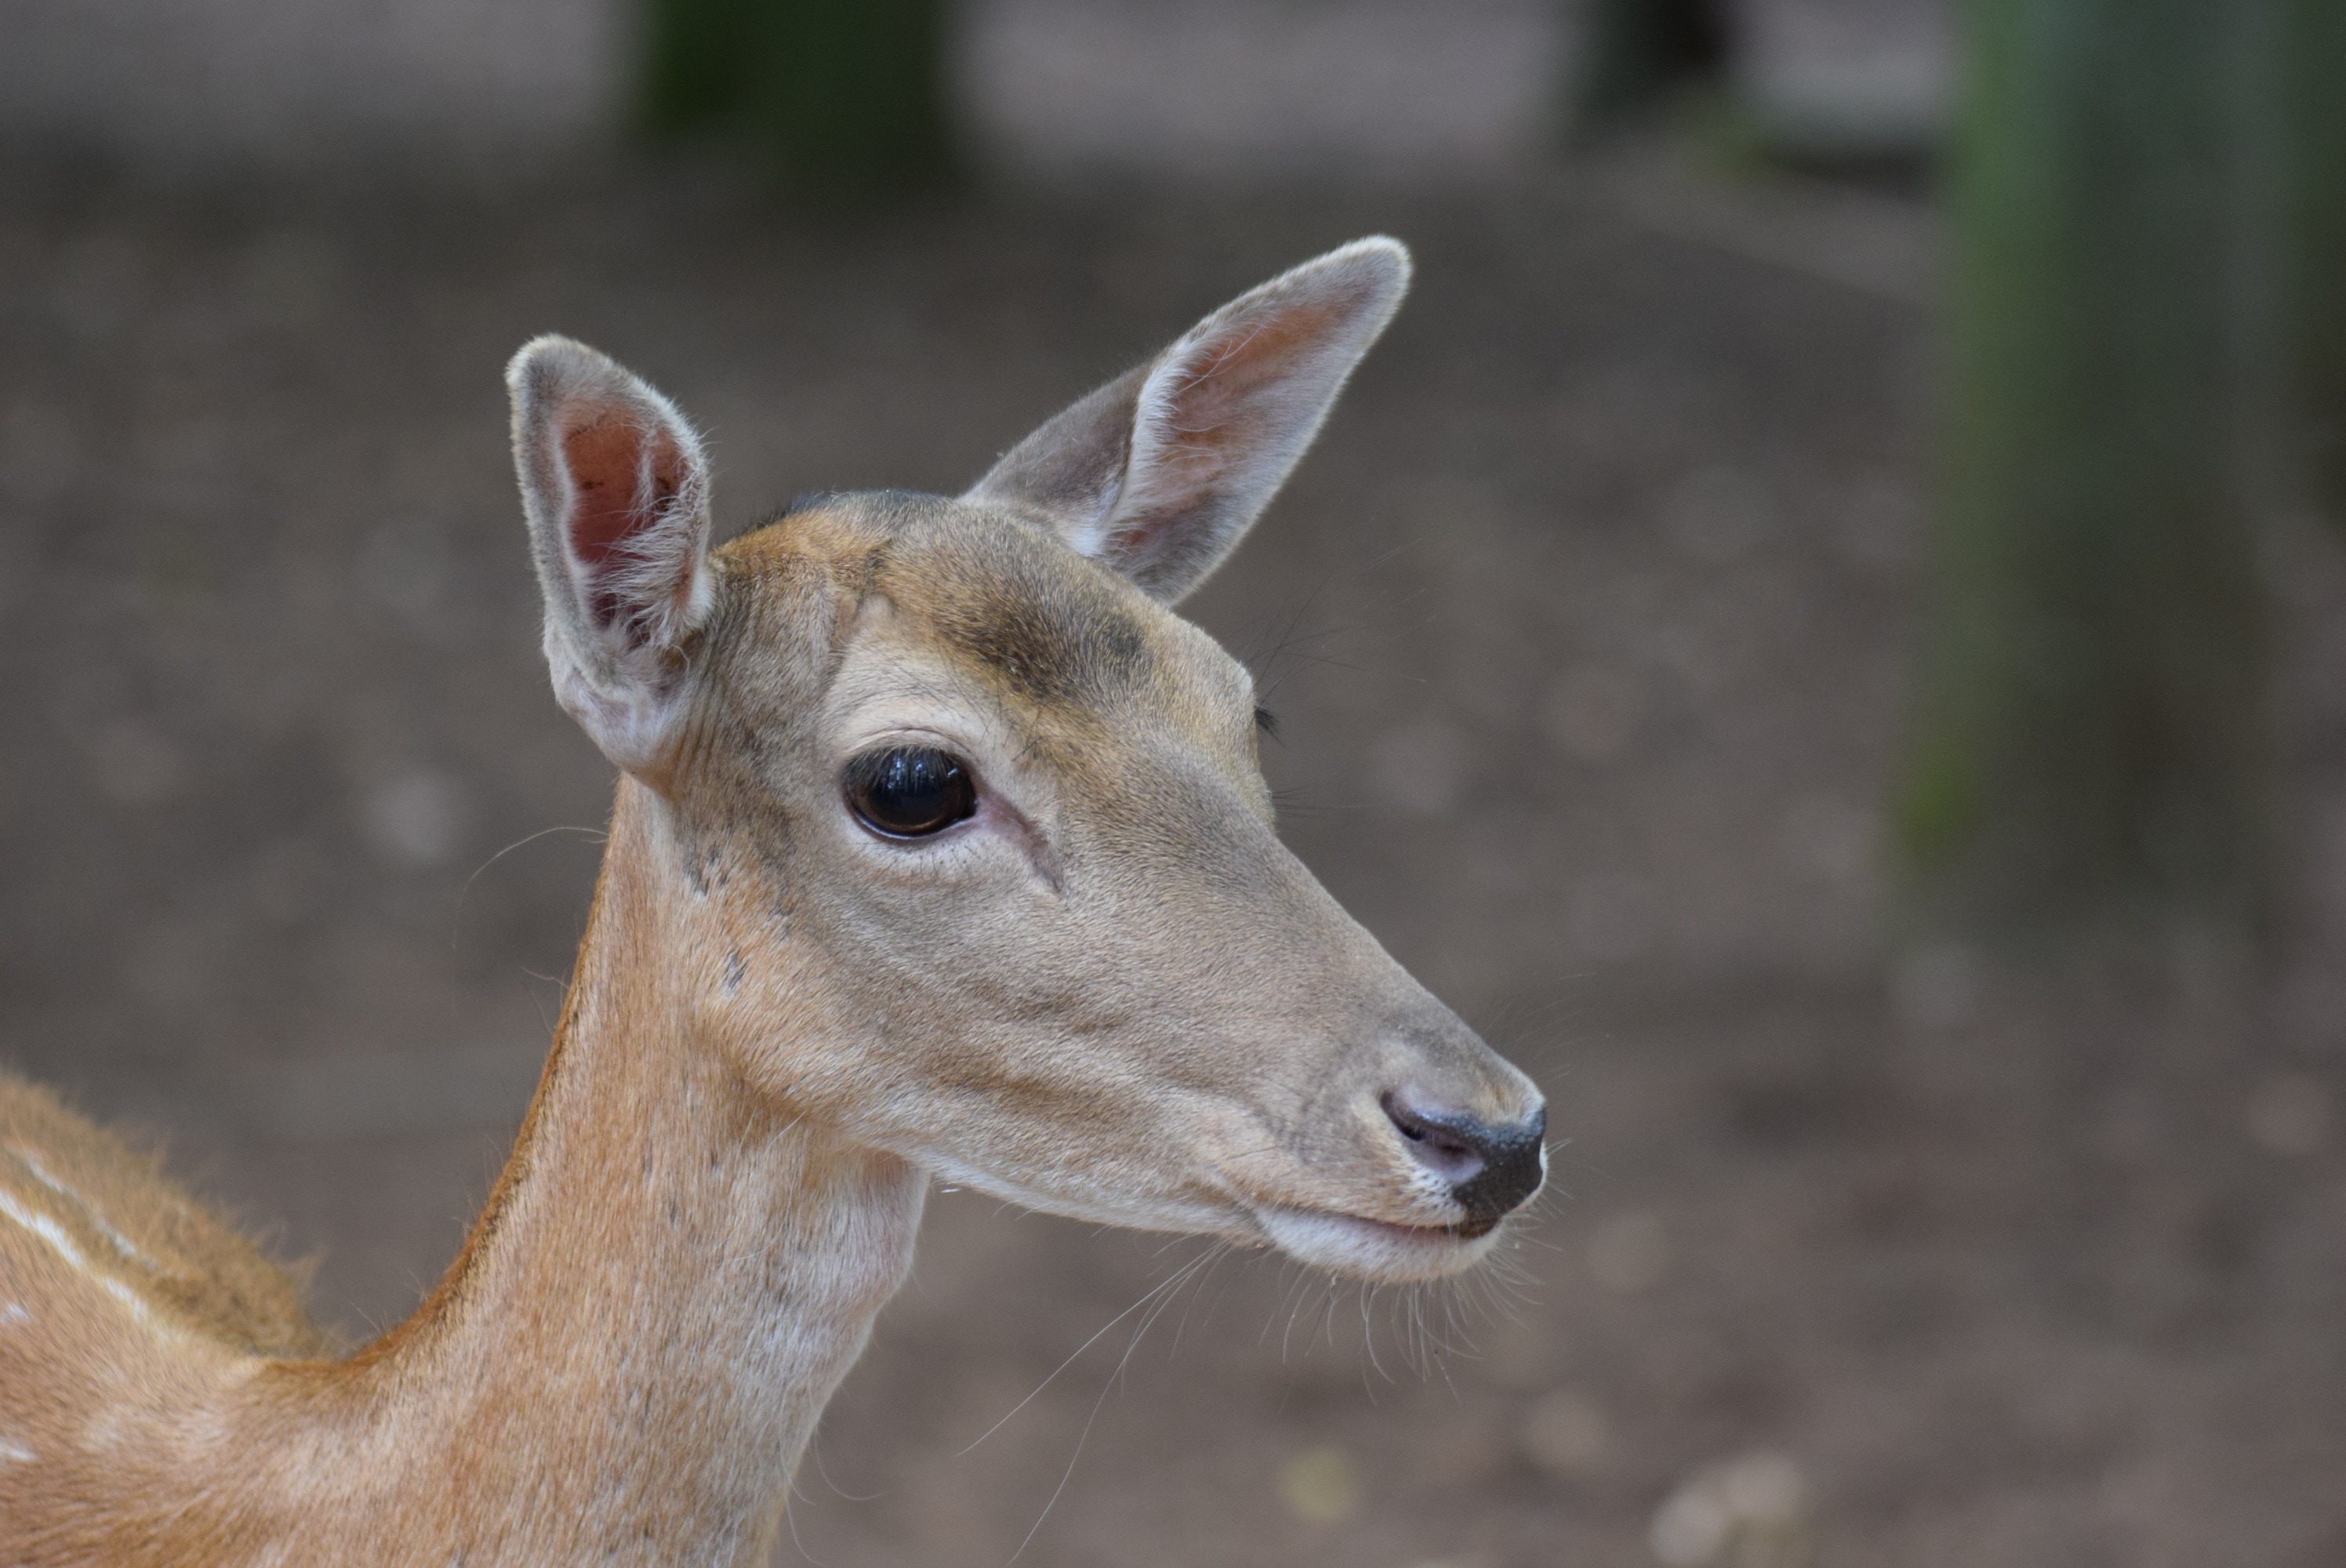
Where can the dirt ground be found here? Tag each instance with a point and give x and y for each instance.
(1586, 622)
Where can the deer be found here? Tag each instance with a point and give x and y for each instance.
(941, 851)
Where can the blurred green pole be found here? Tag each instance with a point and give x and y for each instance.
(2312, 40)
(2088, 743)
(845, 95)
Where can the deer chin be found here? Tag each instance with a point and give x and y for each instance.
(1374, 1250)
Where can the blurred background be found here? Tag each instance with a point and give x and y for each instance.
(1821, 630)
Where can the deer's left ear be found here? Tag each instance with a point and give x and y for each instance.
(615, 491)
(1161, 472)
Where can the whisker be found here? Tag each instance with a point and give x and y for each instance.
(1160, 1285)
(814, 1451)
(1112, 1380)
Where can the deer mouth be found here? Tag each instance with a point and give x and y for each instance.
(1375, 1249)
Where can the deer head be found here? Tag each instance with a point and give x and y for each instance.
(973, 858)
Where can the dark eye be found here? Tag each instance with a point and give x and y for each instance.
(909, 792)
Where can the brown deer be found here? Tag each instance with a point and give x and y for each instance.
(941, 849)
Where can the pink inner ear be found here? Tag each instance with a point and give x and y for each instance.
(605, 459)
(1253, 354)
(1211, 423)
(605, 456)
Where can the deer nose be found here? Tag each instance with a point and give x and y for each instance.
(1491, 1170)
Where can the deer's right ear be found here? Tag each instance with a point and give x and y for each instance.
(616, 494)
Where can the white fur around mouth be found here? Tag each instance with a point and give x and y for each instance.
(1371, 1248)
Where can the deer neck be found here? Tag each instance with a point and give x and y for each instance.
(672, 1277)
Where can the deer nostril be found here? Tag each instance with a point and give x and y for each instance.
(1438, 1145)
(1491, 1170)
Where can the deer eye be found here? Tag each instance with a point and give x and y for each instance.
(909, 792)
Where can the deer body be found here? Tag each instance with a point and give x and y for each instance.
(940, 846)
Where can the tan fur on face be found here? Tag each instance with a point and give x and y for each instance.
(1109, 993)
(1125, 1000)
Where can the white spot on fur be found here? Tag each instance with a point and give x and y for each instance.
(128, 1296)
(15, 1453)
(12, 1314)
(42, 1226)
(50, 1231)
(122, 1244)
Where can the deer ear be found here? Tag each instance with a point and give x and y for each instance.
(616, 491)
(1161, 472)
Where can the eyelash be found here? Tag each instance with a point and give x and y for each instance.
(1267, 721)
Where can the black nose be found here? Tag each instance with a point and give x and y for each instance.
(1491, 1170)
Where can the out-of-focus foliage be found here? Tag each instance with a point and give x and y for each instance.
(842, 94)
(2090, 745)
